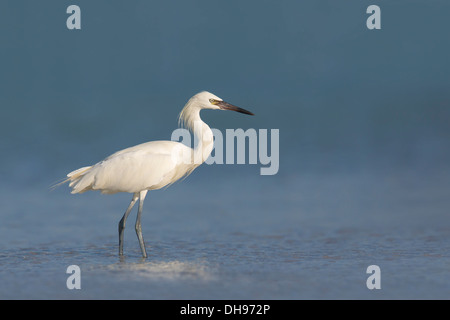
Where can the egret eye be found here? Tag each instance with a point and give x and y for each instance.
(213, 101)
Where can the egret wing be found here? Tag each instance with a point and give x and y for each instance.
(145, 166)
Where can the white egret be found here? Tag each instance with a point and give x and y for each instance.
(152, 165)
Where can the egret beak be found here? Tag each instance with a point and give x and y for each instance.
(226, 106)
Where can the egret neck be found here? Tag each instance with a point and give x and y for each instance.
(203, 135)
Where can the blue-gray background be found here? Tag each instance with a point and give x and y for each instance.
(364, 158)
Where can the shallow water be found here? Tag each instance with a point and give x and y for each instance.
(312, 239)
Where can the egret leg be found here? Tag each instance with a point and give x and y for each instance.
(124, 220)
(138, 223)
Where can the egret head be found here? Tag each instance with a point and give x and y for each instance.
(207, 100)
(204, 100)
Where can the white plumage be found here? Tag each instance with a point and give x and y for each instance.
(152, 165)
(147, 166)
